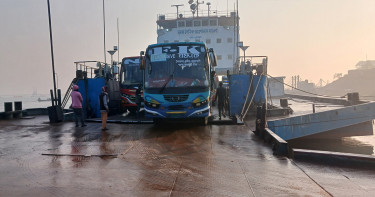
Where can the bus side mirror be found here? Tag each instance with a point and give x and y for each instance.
(212, 57)
(142, 62)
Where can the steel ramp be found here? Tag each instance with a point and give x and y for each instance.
(305, 125)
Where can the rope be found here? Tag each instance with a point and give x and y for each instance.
(269, 96)
(248, 92)
(304, 90)
(252, 98)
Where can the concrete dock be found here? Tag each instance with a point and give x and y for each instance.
(42, 159)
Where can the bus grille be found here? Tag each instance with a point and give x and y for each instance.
(176, 107)
(176, 98)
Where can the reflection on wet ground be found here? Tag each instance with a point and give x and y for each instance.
(149, 160)
(345, 145)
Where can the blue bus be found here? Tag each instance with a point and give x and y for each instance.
(177, 80)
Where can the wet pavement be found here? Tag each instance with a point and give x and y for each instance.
(42, 159)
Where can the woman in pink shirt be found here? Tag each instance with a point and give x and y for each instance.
(77, 105)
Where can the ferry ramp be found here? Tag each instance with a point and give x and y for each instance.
(42, 159)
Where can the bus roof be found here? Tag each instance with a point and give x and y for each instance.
(130, 57)
(177, 43)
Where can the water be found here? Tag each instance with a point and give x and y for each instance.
(355, 144)
(28, 101)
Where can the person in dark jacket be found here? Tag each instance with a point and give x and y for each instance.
(221, 95)
(103, 100)
(77, 105)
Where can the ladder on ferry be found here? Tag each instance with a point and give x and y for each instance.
(67, 94)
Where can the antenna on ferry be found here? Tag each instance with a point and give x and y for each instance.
(193, 8)
(177, 7)
(198, 6)
(208, 5)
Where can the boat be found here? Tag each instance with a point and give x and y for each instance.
(42, 100)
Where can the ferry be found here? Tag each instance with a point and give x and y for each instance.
(217, 29)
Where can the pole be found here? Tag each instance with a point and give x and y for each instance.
(235, 45)
(208, 5)
(52, 100)
(118, 42)
(105, 55)
(227, 8)
(57, 80)
(237, 25)
(197, 9)
(292, 82)
(177, 8)
(52, 56)
(59, 97)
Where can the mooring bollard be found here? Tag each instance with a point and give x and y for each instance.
(8, 106)
(313, 106)
(284, 102)
(353, 98)
(17, 105)
(17, 109)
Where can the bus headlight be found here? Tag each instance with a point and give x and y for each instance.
(200, 101)
(152, 103)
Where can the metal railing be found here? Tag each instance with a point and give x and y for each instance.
(258, 63)
(81, 66)
(85, 70)
(189, 14)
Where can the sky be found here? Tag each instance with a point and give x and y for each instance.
(311, 38)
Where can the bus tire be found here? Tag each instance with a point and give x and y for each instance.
(156, 121)
(123, 110)
(204, 121)
(132, 110)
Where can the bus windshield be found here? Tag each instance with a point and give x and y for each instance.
(131, 75)
(176, 66)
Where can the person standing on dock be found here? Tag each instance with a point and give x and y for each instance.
(103, 100)
(77, 105)
(221, 94)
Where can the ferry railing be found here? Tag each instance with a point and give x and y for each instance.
(189, 14)
(101, 69)
(84, 71)
(249, 63)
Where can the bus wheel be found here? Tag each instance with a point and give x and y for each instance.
(123, 110)
(132, 110)
(204, 121)
(156, 121)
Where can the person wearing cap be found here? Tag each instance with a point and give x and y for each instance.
(77, 105)
(103, 100)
